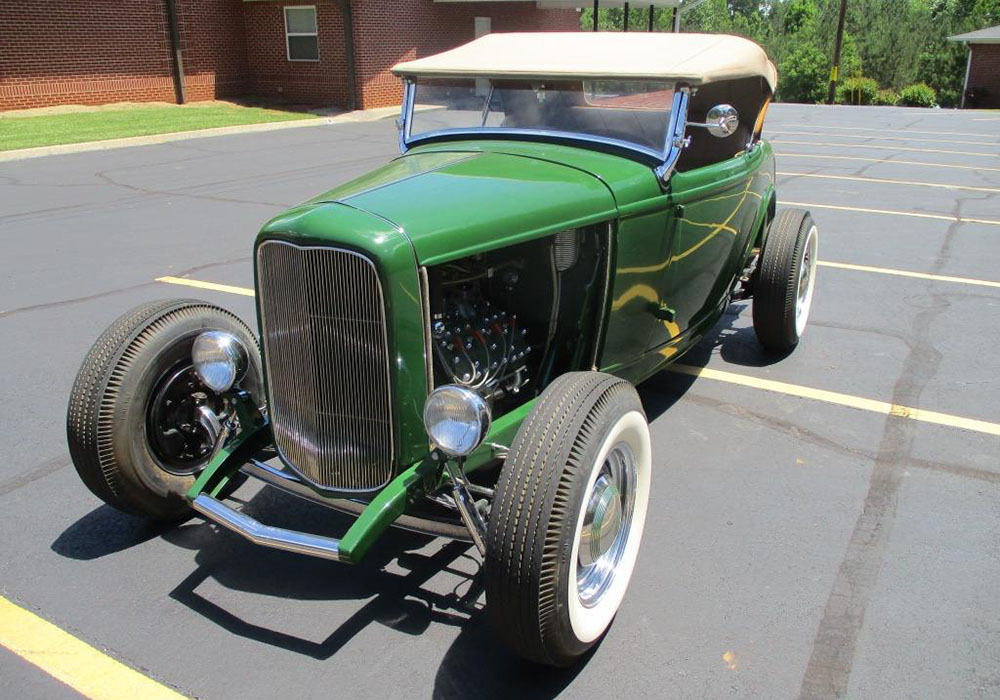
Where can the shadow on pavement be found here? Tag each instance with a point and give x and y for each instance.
(396, 569)
(105, 531)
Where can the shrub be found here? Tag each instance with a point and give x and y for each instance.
(889, 98)
(918, 95)
(857, 91)
(803, 73)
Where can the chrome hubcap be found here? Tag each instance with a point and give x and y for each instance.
(607, 521)
(807, 280)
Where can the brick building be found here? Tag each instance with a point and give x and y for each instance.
(982, 74)
(324, 52)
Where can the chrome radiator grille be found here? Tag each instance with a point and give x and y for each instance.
(327, 359)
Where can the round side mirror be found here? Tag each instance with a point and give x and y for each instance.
(722, 120)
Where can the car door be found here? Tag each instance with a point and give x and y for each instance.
(715, 207)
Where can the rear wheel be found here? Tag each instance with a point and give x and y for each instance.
(140, 423)
(783, 290)
(567, 518)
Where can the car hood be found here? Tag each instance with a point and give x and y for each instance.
(454, 202)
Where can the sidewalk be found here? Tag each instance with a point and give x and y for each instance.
(338, 118)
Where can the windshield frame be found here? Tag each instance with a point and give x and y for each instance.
(661, 160)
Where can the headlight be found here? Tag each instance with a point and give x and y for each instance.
(220, 360)
(457, 419)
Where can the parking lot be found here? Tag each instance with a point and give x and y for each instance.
(826, 525)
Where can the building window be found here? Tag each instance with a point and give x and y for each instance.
(300, 33)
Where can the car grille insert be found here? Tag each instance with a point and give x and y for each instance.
(327, 360)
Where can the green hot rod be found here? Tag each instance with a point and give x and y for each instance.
(450, 343)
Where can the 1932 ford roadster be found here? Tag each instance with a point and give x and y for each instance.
(449, 343)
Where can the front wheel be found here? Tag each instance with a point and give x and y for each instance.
(567, 518)
(141, 424)
(783, 290)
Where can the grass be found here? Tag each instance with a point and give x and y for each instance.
(77, 127)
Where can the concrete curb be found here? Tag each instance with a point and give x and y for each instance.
(153, 139)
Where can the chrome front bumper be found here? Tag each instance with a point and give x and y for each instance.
(266, 535)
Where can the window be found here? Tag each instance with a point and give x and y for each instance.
(300, 34)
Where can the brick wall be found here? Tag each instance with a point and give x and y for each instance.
(98, 51)
(389, 32)
(984, 76)
(271, 73)
(214, 47)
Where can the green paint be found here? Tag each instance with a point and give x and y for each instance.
(676, 252)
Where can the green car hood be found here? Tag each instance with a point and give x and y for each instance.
(455, 201)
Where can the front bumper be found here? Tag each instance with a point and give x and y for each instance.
(265, 535)
(255, 436)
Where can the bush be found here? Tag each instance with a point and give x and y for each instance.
(857, 91)
(889, 98)
(804, 73)
(918, 95)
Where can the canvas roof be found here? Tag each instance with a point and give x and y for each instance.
(691, 58)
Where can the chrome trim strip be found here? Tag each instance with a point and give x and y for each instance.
(331, 328)
(265, 535)
(486, 132)
(425, 304)
(291, 484)
(606, 297)
(675, 135)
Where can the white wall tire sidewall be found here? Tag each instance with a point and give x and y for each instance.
(590, 623)
(802, 316)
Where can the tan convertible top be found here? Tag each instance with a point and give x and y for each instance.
(690, 58)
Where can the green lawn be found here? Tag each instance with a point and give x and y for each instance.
(76, 127)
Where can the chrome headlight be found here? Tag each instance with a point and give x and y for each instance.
(456, 419)
(220, 360)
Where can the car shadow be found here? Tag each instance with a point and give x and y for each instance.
(397, 570)
(105, 531)
(732, 339)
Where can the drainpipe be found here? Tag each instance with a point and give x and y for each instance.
(965, 83)
(175, 49)
(352, 78)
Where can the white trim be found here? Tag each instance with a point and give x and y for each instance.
(589, 623)
(288, 34)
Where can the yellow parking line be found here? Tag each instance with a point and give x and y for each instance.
(207, 285)
(890, 161)
(766, 384)
(890, 181)
(77, 664)
(895, 212)
(909, 131)
(907, 273)
(839, 399)
(882, 138)
(782, 142)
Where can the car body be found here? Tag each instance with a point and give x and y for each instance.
(556, 212)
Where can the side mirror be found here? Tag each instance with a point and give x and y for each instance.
(721, 121)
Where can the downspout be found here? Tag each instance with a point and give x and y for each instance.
(175, 49)
(965, 85)
(352, 82)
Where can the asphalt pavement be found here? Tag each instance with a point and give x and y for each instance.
(797, 544)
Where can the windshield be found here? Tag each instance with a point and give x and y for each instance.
(635, 112)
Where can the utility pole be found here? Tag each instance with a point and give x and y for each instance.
(626, 17)
(835, 71)
(596, 10)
